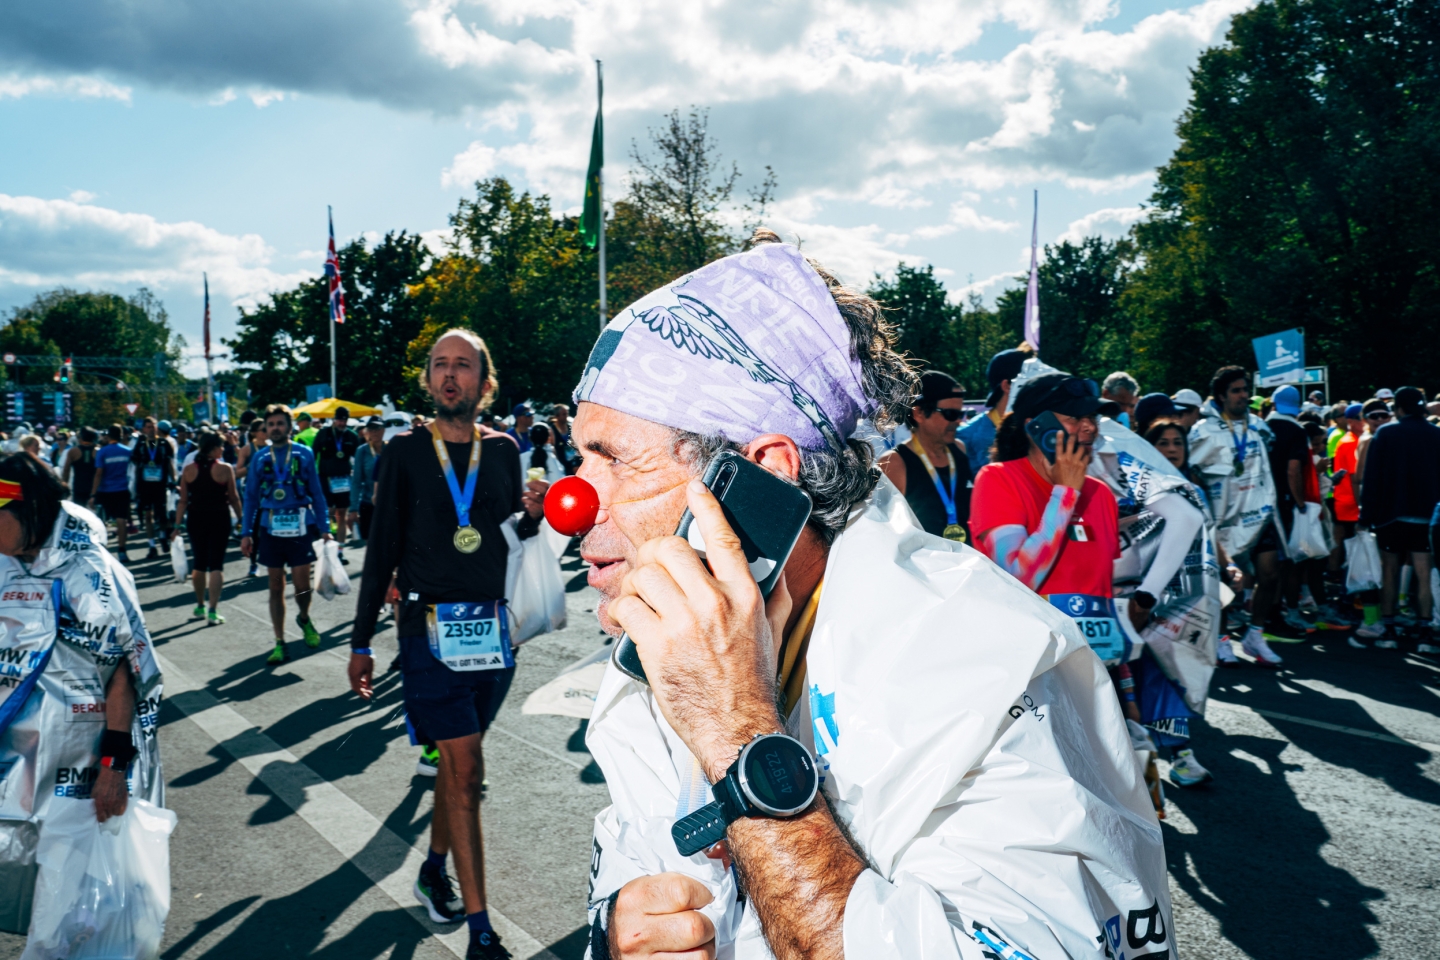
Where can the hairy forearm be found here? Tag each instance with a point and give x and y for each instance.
(798, 874)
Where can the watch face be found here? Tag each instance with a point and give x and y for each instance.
(778, 775)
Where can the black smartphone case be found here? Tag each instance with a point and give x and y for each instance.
(1045, 431)
(766, 513)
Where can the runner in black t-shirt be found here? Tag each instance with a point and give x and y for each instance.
(154, 461)
(437, 527)
(932, 469)
(335, 448)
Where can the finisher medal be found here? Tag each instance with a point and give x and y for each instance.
(954, 531)
(467, 539)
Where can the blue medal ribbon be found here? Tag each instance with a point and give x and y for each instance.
(462, 498)
(947, 499)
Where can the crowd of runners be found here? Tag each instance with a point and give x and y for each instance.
(1180, 532)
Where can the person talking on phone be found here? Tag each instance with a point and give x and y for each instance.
(931, 468)
(441, 493)
(886, 758)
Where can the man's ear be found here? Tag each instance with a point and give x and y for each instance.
(776, 453)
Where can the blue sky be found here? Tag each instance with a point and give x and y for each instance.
(147, 143)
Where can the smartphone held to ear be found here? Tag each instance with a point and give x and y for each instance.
(767, 514)
(1046, 431)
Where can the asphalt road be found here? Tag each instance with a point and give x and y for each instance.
(301, 819)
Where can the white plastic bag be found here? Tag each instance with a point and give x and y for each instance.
(1362, 560)
(1307, 534)
(329, 575)
(537, 603)
(103, 890)
(177, 559)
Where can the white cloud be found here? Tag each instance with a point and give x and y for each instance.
(476, 163)
(1090, 224)
(963, 217)
(81, 196)
(15, 85)
(51, 242)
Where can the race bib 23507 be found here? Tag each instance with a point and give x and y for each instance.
(469, 636)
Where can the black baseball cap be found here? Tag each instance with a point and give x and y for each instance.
(1005, 365)
(1060, 392)
(936, 386)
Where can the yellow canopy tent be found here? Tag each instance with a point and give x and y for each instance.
(325, 409)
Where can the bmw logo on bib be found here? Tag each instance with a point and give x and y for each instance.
(459, 611)
(1077, 604)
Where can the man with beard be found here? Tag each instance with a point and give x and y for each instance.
(441, 495)
(911, 754)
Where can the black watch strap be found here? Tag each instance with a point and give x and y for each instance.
(699, 830)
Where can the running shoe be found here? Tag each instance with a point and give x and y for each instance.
(1278, 631)
(436, 892)
(279, 655)
(153, 554)
(1298, 625)
(1186, 771)
(216, 618)
(307, 627)
(198, 613)
(341, 554)
(429, 763)
(254, 569)
(1370, 631)
(1356, 643)
(1225, 655)
(1331, 618)
(1257, 647)
(486, 946)
(1389, 640)
(1427, 648)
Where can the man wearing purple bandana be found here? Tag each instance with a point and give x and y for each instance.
(978, 793)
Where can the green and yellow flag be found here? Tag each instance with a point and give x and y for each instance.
(591, 218)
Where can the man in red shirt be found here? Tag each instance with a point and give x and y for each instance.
(1048, 524)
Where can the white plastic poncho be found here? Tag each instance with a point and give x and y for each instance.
(1155, 500)
(1243, 504)
(72, 615)
(971, 743)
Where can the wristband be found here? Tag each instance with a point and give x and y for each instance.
(116, 750)
(600, 928)
(361, 651)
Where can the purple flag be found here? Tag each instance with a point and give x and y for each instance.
(1032, 290)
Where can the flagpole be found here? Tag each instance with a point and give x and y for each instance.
(1032, 288)
(331, 215)
(600, 192)
(209, 366)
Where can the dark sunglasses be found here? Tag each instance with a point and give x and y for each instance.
(1377, 415)
(948, 414)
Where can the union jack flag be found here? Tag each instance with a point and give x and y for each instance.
(332, 273)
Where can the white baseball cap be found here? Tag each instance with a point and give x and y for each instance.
(1187, 398)
(1385, 393)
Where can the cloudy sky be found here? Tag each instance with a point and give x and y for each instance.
(147, 142)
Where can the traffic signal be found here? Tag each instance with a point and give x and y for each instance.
(65, 371)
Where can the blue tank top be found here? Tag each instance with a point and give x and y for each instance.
(113, 462)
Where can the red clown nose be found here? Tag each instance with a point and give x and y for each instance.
(571, 505)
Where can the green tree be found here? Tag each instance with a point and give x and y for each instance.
(1301, 194)
(1083, 327)
(924, 318)
(284, 342)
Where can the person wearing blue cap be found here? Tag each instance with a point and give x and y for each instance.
(524, 419)
(1152, 407)
(978, 435)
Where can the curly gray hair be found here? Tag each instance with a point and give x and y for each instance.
(836, 480)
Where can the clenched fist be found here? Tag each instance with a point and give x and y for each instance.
(661, 915)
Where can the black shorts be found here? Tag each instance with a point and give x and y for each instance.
(276, 553)
(340, 500)
(150, 495)
(115, 503)
(445, 704)
(1400, 537)
(209, 539)
(1269, 542)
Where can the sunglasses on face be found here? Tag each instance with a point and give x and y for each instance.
(950, 415)
(1377, 415)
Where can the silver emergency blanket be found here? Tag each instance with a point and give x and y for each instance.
(79, 604)
(971, 744)
(1242, 505)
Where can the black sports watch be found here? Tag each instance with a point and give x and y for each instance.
(774, 776)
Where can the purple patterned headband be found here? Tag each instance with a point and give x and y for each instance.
(747, 345)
